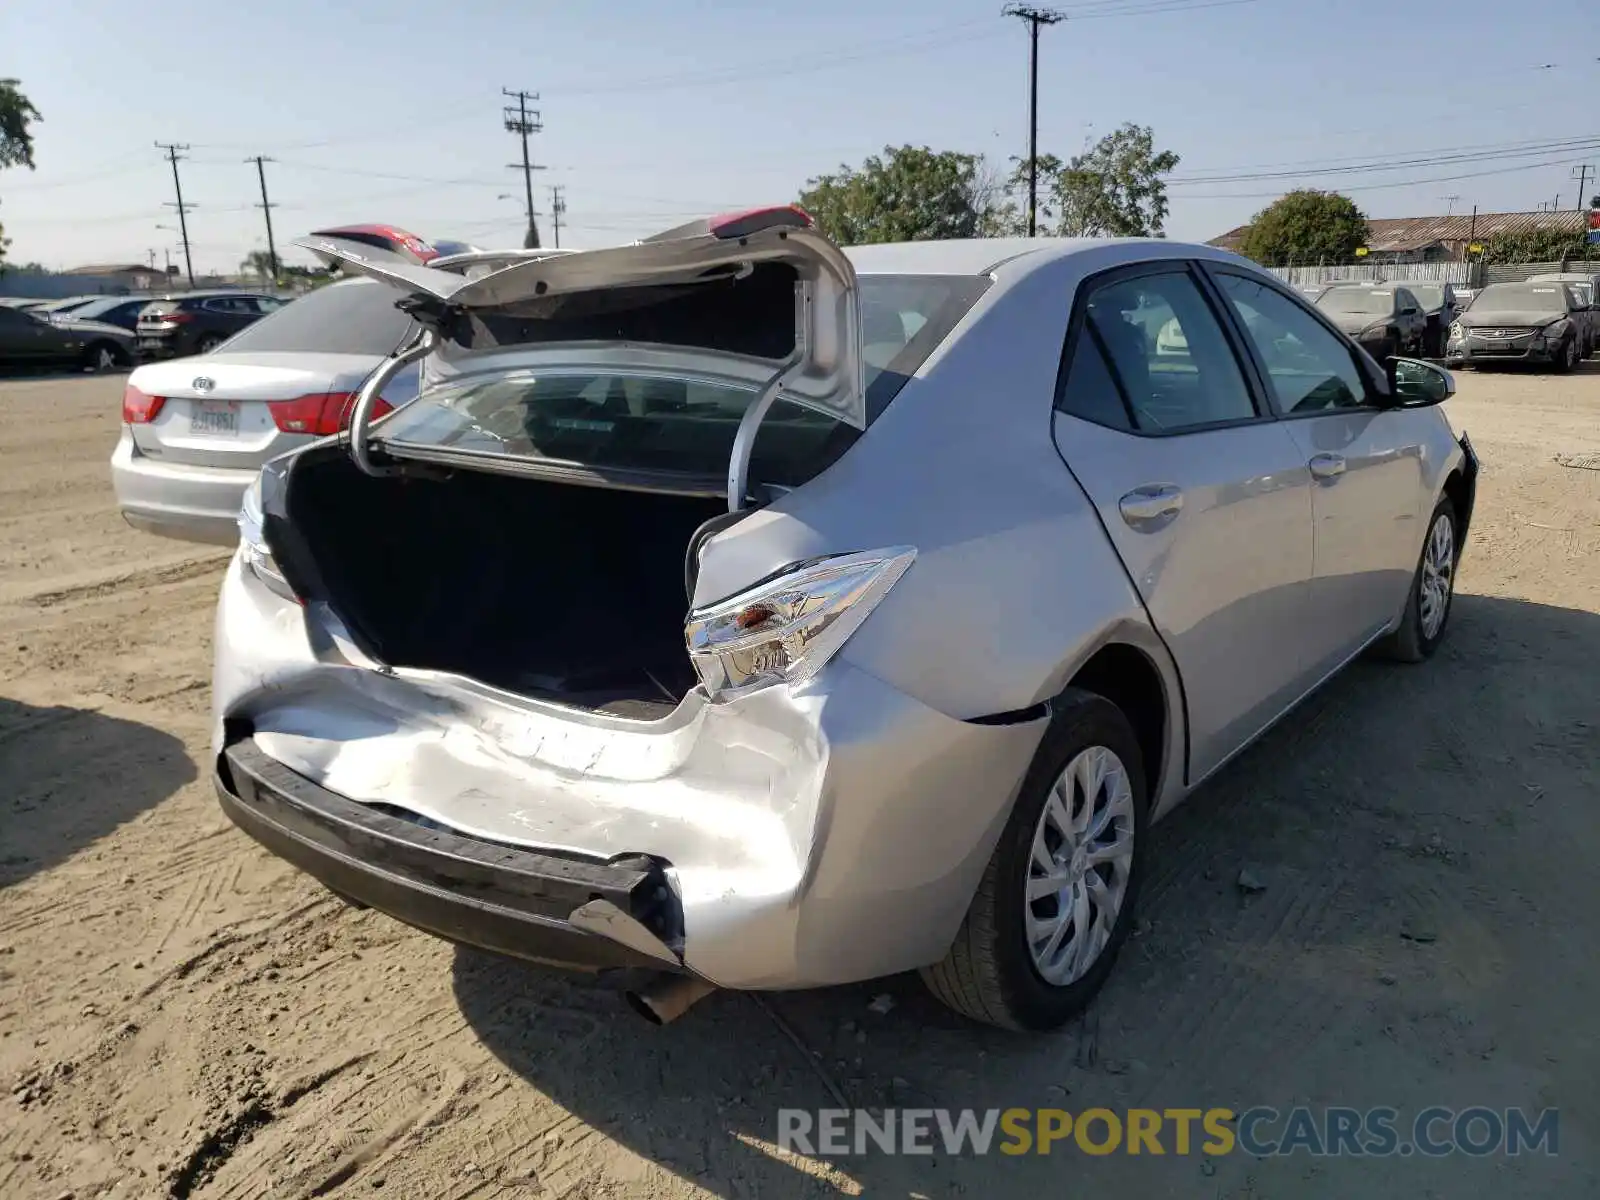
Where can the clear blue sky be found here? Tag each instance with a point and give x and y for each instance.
(389, 110)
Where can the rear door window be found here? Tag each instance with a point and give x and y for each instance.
(1167, 352)
(358, 317)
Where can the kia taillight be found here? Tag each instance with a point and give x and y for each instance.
(320, 414)
(138, 408)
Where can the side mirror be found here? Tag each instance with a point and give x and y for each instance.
(1417, 384)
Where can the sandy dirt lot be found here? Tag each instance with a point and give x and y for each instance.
(182, 1015)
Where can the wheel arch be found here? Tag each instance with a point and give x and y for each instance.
(1129, 666)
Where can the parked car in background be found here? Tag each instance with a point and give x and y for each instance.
(1520, 322)
(1439, 309)
(905, 724)
(195, 431)
(29, 339)
(198, 322)
(1384, 319)
(64, 305)
(121, 311)
(1587, 286)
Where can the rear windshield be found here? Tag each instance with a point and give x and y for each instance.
(1428, 295)
(631, 420)
(358, 317)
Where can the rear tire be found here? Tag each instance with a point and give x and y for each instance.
(101, 356)
(207, 344)
(995, 970)
(1432, 592)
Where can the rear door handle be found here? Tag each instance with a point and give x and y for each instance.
(1327, 466)
(1152, 502)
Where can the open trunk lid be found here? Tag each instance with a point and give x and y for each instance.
(797, 338)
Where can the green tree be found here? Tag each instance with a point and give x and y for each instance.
(257, 262)
(910, 193)
(1116, 188)
(17, 114)
(1305, 226)
(1537, 245)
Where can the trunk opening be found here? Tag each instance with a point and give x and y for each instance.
(555, 591)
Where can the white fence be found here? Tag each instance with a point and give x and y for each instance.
(1441, 272)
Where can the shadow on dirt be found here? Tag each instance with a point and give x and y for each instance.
(73, 775)
(1359, 963)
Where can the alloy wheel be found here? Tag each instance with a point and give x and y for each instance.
(104, 359)
(1079, 866)
(1438, 575)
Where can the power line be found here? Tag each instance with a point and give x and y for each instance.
(1399, 183)
(521, 121)
(172, 150)
(1035, 17)
(266, 211)
(1493, 154)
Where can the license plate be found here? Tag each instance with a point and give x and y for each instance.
(214, 416)
(1495, 344)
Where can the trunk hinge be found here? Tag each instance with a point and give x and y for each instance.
(367, 397)
(744, 439)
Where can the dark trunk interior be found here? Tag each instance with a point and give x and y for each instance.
(551, 590)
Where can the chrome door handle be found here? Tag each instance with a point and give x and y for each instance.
(1327, 466)
(1151, 502)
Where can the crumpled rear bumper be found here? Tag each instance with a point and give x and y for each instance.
(807, 837)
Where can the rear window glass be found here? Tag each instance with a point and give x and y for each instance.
(358, 317)
(629, 420)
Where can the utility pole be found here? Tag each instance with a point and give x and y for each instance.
(558, 206)
(1035, 17)
(266, 208)
(173, 154)
(1450, 203)
(1581, 174)
(521, 120)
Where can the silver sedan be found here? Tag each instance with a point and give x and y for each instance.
(768, 615)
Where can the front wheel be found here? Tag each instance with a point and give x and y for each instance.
(1058, 896)
(1432, 591)
(1567, 357)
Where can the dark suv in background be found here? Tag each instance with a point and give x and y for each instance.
(197, 322)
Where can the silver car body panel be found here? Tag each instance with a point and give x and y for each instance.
(837, 831)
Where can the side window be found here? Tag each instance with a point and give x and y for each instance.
(1167, 353)
(1310, 367)
(1087, 389)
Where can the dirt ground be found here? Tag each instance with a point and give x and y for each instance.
(182, 1015)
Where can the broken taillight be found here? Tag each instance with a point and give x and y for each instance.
(320, 414)
(139, 408)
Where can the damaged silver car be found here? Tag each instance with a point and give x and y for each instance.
(769, 615)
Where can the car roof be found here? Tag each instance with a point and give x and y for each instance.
(981, 256)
